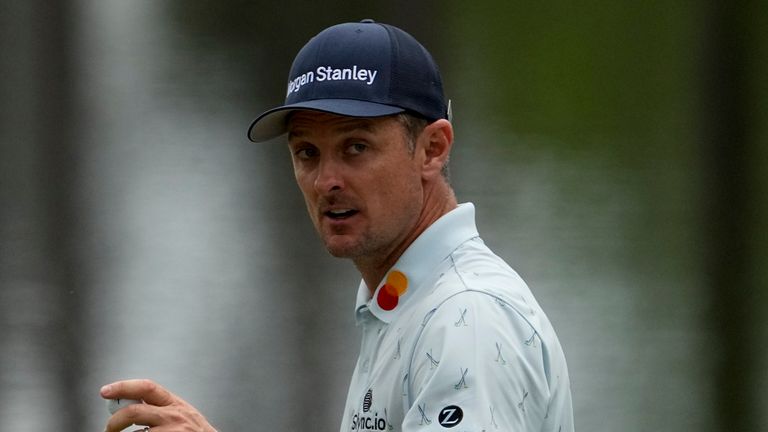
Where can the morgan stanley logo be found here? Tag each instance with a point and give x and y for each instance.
(327, 73)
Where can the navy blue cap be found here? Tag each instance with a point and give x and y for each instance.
(364, 69)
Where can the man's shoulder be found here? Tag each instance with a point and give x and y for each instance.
(475, 272)
(477, 280)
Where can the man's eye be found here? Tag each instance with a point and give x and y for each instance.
(357, 148)
(306, 153)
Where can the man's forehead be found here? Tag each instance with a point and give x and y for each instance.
(303, 122)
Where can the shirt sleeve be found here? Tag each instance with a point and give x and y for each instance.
(478, 365)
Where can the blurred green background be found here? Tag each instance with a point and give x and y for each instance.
(616, 152)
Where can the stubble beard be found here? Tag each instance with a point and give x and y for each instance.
(366, 247)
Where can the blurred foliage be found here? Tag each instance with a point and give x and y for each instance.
(613, 77)
(265, 36)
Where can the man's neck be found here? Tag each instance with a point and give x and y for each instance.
(373, 269)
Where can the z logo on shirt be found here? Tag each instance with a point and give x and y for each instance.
(450, 416)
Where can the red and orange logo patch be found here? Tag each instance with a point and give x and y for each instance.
(393, 288)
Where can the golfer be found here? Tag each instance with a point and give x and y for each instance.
(452, 337)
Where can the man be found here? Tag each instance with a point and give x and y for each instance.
(452, 337)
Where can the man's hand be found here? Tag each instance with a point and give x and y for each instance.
(162, 411)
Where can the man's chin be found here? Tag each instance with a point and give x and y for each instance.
(340, 251)
(342, 247)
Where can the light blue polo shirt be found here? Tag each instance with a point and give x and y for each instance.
(454, 340)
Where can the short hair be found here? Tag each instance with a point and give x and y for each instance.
(414, 125)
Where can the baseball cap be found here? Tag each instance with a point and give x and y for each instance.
(364, 69)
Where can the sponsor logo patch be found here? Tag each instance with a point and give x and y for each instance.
(450, 416)
(389, 294)
(368, 400)
(365, 421)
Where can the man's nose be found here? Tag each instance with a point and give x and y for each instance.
(329, 176)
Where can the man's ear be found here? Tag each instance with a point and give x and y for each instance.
(437, 139)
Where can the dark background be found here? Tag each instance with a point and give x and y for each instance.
(616, 152)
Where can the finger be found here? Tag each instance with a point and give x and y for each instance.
(158, 429)
(141, 389)
(115, 404)
(142, 414)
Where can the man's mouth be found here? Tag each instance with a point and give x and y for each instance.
(339, 214)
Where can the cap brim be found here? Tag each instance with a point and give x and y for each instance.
(272, 123)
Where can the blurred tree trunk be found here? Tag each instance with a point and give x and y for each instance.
(731, 167)
(40, 319)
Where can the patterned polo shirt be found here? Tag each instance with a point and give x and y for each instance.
(454, 340)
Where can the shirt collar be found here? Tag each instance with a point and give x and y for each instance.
(417, 263)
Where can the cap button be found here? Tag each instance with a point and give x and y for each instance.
(367, 21)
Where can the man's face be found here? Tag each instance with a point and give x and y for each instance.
(361, 183)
